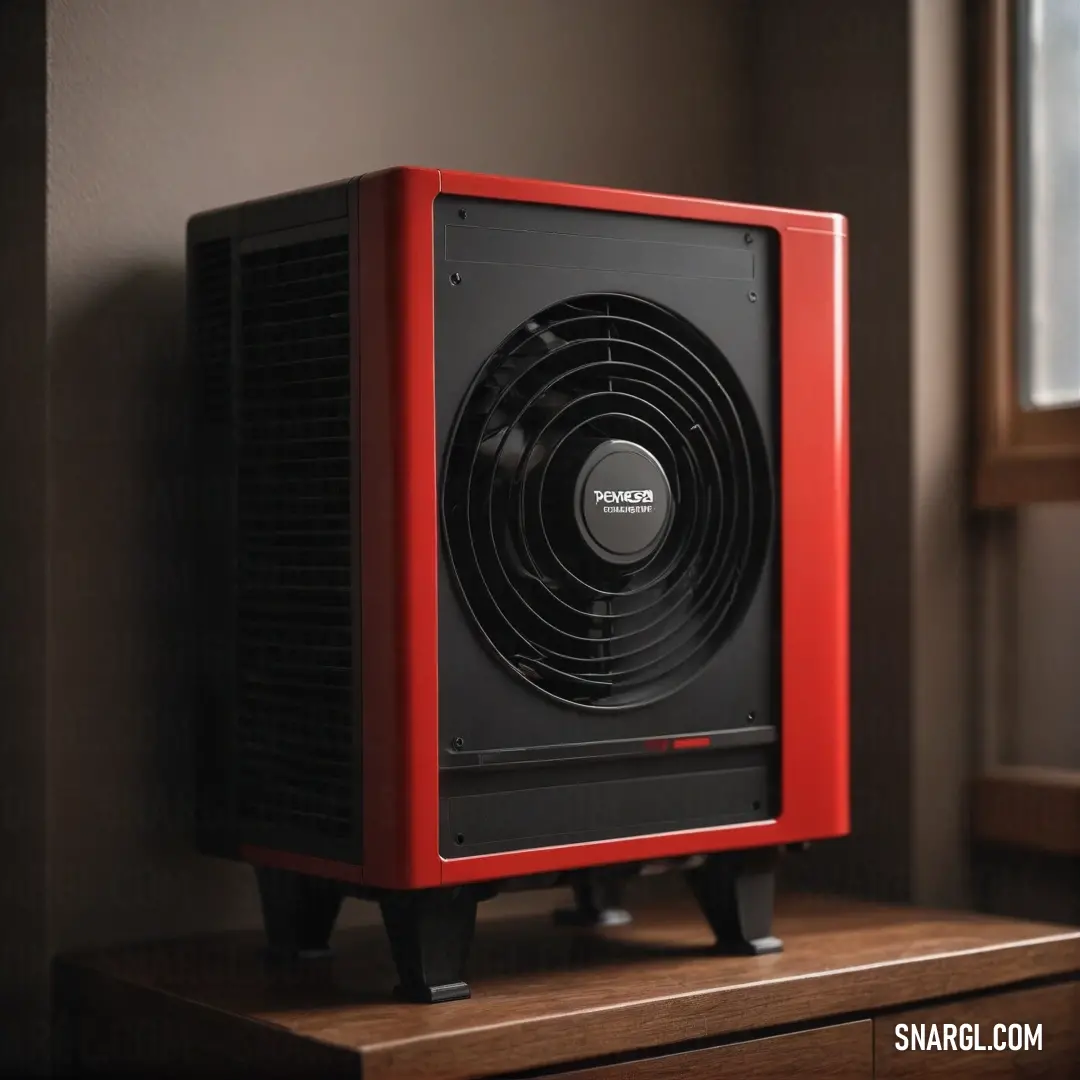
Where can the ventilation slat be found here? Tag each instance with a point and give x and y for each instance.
(296, 724)
(264, 354)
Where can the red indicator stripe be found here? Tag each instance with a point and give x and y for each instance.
(696, 742)
(657, 745)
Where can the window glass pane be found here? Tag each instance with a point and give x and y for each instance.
(1048, 131)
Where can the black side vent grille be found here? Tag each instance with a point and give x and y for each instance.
(212, 303)
(296, 732)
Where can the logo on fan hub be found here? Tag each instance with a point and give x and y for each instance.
(622, 501)
(625, 502)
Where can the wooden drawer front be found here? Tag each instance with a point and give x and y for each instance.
(842, 1052)
(1056, 1008)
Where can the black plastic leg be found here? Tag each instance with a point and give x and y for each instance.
(597, 900)
(430, 933)
(299, 912)
(735, 891)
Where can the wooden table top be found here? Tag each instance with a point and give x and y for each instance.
(544, 995)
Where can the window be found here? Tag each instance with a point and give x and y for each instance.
(1027, 245)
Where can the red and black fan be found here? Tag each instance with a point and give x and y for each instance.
(522, 547)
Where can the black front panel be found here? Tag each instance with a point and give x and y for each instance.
(548, 631)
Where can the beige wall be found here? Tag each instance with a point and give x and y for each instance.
(942, 562)
(159, 109)
(858, 109)
(833, 118)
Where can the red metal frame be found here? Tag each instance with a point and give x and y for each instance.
(399, 534)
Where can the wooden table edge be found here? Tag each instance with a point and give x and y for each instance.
(662, 1023)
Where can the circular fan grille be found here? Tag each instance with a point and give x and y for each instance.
(582, 625)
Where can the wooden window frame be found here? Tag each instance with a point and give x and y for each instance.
(1030, 808)
(1023, 456)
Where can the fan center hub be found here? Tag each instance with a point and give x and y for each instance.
(623, 501)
